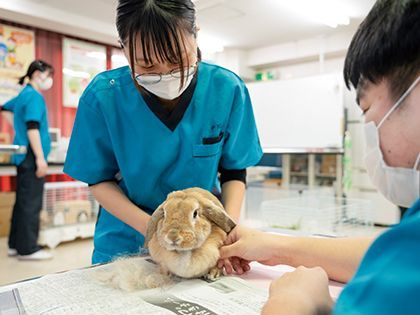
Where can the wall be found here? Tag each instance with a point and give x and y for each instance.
(294, 59)
(302, 58)
(308, 68)
(48, 47)
(301, 50)
(39, 15)
(235, 60)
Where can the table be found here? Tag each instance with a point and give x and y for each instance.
(77, 292)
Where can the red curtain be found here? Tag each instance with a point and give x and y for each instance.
(48, 47)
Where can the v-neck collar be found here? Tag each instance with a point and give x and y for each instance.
(171, 118)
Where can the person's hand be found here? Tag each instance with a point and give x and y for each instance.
(244, 245)
(305, 289)
(41, 167)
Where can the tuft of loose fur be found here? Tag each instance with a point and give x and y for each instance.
(132, 273)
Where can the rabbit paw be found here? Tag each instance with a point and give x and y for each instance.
(164, 271)
(213, 274)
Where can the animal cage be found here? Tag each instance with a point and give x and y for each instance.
(306, 211)
(319, 214)
(69, 211)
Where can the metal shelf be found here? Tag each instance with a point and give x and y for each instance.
(326, 175)
(10, 169)
(311, 173)
(302, 174)
(12, 149)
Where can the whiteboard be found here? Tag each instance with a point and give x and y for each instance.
(300, 115)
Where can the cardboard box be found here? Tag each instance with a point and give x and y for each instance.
(329, 165)
(7, 201)
(5, 218)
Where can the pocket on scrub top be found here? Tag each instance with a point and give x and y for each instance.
(203, 150)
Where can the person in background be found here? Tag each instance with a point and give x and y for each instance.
(30, 120)
(383, 64)
(167, 122)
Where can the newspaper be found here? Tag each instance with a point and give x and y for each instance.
(10, 303)
(77, 292)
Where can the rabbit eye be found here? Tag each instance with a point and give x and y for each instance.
(195, 214)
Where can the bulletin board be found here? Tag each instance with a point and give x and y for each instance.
(300, 115)
(82, 61)
(17, 51)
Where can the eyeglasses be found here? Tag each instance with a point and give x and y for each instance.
(153, 78)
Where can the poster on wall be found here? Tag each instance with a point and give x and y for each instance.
(81, 62)
(17, 51)
(118, 58)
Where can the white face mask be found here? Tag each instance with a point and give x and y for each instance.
(168, 87)
(45, 84)
(399, 185)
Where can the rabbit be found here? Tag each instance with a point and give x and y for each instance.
(183, 237)
(185, 233)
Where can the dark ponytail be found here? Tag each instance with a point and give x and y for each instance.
(34, 66)
(22, 79)
(160, 25)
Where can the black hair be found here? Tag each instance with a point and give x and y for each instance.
(386, 46)
(34, 66)
(160, 25)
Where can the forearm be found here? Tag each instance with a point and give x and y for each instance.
(233, 193)
(35, 143)
(340, 257)
(113, 199)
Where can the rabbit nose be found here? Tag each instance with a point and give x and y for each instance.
(174, 237)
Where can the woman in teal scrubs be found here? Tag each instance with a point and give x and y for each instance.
(30, 120)
(383, 274)
(167, 122)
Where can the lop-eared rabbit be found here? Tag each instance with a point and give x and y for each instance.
(183, 237)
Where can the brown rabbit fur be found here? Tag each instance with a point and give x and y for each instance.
(180, 241)
(186, 241)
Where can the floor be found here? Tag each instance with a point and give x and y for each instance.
(67, 256)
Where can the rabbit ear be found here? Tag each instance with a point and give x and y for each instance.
(212, 208)
(217, 215)
(152, 225)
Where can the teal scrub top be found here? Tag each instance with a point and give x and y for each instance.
(388, 279)
(29, 105)
(118, 135)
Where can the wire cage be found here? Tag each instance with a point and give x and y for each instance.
(322, 215)
(309, 211)
(67, 203)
